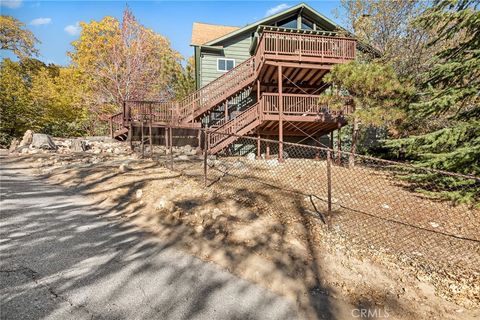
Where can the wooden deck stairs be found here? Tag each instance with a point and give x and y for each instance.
(306, 57)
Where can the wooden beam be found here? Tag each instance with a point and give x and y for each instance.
(306, 65)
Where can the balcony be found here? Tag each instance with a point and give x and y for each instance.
(299, 47)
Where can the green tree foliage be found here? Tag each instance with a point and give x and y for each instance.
(40, 97)
(378, 96)
(185, 80)
(14, 37)
(450, 92)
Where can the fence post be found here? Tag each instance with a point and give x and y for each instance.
(205, 156)
(329, 181)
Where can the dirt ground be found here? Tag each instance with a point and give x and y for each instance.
(249, 228)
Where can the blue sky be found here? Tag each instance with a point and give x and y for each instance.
(54, 23)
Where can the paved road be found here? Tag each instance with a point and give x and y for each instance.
(60, 258)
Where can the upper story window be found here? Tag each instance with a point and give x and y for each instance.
(307, 24)
(290, 23)
(225, 64)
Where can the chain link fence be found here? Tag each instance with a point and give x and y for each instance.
(375, 204)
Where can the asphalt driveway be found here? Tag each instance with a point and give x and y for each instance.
(62, 258)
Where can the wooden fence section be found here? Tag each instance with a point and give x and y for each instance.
(157, 112)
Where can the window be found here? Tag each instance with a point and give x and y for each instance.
(290, 23)
(307, 24)
(225, 64)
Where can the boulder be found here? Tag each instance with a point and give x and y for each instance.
(27, 138)
(187, 148)
(43, 141)
(164, 204)
(124, 167)
(183, 157)
(13, 145)
(216, 213)
(78, 145)
(251, 156)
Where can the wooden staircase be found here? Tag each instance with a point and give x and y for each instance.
(232, 130)
(216, 92)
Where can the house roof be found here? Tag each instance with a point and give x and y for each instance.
(204, 32)
(320, 19)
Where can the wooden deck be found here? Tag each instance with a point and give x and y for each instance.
(285, 76)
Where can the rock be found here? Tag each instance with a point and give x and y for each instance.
(164, 204)
(139, 193)
(124, 167)
(187, 148)
(13, 145)
(183, 157)
(24, 150)
(27, 138)
(78, 145)
(43, 141)
(216, 213)
(385, 206)
(434, 224)
(109, 150)
(238, 165)
(272, 162)
(199, 229)
(116, 151)
(251, 156)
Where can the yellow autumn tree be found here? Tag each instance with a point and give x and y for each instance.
(125, 61)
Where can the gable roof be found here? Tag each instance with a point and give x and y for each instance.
(320, 19)
(204, 32)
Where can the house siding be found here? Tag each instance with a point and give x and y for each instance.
(236, 48)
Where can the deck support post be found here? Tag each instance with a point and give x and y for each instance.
(199, 137)
(331, 145)
(259, 145)
(142, 137)
(205, 157)
(267, 155)
(280, 113)
(329, 181)
(339, 146)
(166, 139)
(171, 147)
(226, 111)
(130, 136)
(150, 132)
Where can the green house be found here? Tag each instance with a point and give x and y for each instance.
(219, 48)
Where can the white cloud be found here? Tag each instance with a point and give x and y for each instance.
(40, 21)
(73, 29)
(277, 9)
(12, 4)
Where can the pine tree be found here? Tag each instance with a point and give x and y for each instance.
(450, 92)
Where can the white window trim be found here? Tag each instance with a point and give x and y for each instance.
(226, 59)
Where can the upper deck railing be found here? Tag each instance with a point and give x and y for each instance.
(304, 47)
